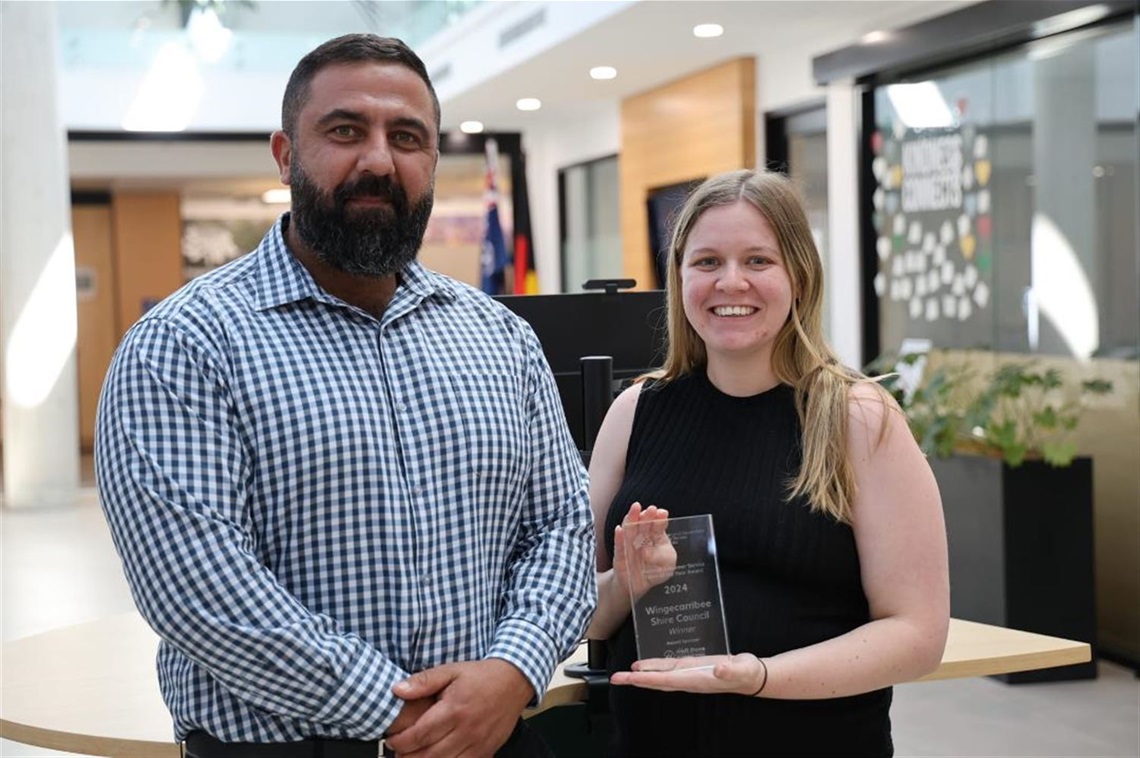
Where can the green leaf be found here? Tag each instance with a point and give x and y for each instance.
(1096, 386)
(1057, 453)
(1046, 417)
(1014, 455)
(1002, 435)
(1052, 379)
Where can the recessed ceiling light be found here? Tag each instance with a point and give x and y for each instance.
(471, 127)
(603, 72)
(708, 30)
(875, 37)
(528, 104)
(276, 196)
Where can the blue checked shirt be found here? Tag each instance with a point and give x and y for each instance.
(310, 504)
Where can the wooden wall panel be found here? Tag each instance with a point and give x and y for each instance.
(147, 229)
(460, 262)
(97, 333)
(689, 129)
(1109, 432)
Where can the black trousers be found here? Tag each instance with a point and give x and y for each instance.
(524, 742)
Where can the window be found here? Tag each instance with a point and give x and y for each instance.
(1005, 201)
(590, 225)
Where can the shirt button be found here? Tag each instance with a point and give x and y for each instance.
(401, 407)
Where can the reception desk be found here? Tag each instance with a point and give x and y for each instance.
(92, 688)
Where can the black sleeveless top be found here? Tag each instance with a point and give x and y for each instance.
(789, 577)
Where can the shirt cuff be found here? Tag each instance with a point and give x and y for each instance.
(529, 649)
(364, 700)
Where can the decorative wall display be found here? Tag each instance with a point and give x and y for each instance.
(932, 215)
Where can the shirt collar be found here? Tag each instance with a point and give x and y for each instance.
(283, 280)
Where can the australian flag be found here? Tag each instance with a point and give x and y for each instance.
(494, 258)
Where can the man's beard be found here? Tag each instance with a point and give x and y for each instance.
(375, 242)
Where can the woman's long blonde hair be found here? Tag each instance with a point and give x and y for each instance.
(801, 356)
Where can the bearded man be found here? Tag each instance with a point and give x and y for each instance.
(341, 485)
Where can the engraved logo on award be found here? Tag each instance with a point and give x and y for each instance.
(675, 588)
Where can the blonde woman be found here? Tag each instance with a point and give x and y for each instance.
(829, 525)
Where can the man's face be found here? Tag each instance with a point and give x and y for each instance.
(361, 167)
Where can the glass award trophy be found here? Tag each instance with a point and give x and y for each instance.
(674, 588)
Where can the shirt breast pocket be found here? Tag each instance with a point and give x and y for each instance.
(493, 408)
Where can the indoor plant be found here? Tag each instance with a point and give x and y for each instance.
(1016, 412)
(1016, 497)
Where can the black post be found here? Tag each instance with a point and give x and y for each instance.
(597, 395)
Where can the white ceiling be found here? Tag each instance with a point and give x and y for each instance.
(651, 43)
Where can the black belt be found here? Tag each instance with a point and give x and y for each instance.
(202, 745)
(524, 742)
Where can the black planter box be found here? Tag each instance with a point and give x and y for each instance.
(1021, 550)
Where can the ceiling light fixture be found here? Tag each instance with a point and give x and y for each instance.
(603, 72)
(471, 127)
(875, 37)
(708, 30)
(528, 104)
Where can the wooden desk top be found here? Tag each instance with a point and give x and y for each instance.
(89, 688)
(92, 688)
(974, 649)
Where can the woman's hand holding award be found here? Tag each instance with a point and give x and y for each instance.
(669, 567)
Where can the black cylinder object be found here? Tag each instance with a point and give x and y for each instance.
(597, 394)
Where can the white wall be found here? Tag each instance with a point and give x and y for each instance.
(212, 100)
(168, 161)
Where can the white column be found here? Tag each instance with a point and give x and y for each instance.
(1064, 276)
(37, 268)
(843, 288)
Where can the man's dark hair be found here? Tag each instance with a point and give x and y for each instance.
(350, 48)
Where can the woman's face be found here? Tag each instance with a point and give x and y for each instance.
(735, 287)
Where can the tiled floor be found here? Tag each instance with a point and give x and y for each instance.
(59, 568)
